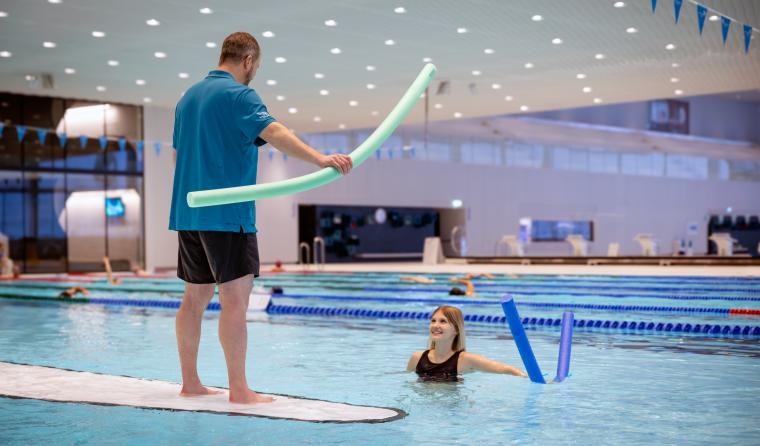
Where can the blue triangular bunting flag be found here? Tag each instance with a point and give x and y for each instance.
(122, 144)
(654, 5)
(701, 14)
(83, 141)
(270, 154)
(20, 131)
(390, 154)
(103, 142)
(42, 135)
(677, 5)
(411, 152)
(726, 23)
(140, 145)
(157, 147)
(2, 127)
(62, 139)
(377, 154)
(747, 37)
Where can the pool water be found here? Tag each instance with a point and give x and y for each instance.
(624, 387)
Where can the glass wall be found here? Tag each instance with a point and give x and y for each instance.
(60, 182)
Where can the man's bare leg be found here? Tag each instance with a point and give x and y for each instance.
(233, 333)
(188, 327)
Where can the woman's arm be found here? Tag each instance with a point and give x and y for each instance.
(470, 362)
(412, 365)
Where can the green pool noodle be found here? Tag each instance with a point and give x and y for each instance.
(239, 194)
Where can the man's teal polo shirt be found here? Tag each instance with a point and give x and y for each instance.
(216, 127)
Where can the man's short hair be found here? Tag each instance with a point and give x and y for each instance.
(237, 46)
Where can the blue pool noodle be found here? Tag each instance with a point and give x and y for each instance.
(521, 339)
(565, 344)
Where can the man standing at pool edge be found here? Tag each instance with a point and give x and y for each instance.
(218, 126)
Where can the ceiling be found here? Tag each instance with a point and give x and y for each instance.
(637, 66)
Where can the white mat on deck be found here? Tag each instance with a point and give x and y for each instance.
(52, 384)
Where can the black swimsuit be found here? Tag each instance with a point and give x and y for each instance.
(431, 371)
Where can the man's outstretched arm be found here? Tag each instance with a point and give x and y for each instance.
(285, 141)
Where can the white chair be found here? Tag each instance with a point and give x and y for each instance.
(433, 252)
(648, 244)
(613, 250)
(725, 243)
(580, 244)
(516, 247)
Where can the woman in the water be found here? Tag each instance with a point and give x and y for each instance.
(446, 356)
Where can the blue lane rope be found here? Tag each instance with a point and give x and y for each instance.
(606, 307)
(640, 326)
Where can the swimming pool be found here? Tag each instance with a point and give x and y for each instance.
(626, 386)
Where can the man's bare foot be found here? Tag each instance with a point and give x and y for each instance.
(198, 390)
(249, 397)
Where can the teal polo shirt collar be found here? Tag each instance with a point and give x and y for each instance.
(220, 73)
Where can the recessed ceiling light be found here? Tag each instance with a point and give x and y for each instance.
(159, 55)
(206, 11)
(5, 54)
(371, 86)
(537, 18)
(557, 41)
(210, 44)
(476, 72)
(113, 63)
(597, 100)
(631, 30)
(30, 77)
(674, 79)
(670, 46)
(324, 92)
(678, 92)
(675, 65)
(619, 4)
(317, 119)
(331, 22)
(292, 110)
(147, 100)
(457, 115)
(488, 51)
(49, 44)
(427, 59)
(55, 2)
(98, 34)
(587, 89)
(374, 113)
(370, 68)
(528, 65)
(69, 70)
(140, 82)
(353, 103)
(183, 75)
(714, 18)
(341, 126)
(319, 76)
(152, 22)
(400, 10)
(438, 106)
(580, 76)
(496, 86)
(280, 59)
(461, 30)
(335, 51)
(508, 98)
(280, 97)
(390, 42)
(599, 56)
(268, 34)
(271, 82)
(3, 14)
(524, 108)
(100, 88)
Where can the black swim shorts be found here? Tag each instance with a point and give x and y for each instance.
(216, 257)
